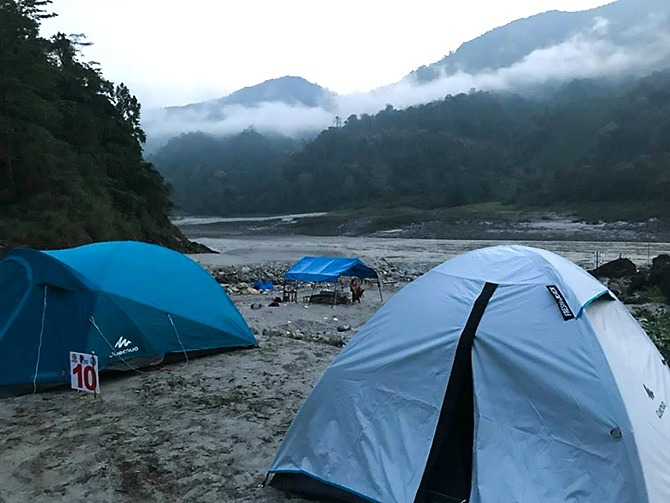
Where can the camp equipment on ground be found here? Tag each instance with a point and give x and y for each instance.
(260, 286)
(505, 374)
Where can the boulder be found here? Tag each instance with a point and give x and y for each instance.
(660, 274)
(661, 262)
(619, 268)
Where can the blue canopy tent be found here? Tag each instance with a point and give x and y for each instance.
(121, 300)
(330, 269)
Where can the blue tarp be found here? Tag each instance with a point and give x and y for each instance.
(328, 269)
(260, 286)
(120, 299)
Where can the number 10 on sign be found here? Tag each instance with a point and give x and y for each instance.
(84, 372)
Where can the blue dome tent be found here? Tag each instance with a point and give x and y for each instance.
(505, 374)
(121, 300)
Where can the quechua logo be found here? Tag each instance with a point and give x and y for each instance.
(122, 343)
(122, 346)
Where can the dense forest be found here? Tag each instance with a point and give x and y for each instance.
(590, 142)
(234, 174)
(71, 166)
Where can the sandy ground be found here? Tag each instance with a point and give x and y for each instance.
(207, 430)
(197, 432)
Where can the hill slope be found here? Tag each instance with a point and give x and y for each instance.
(229, 175)
(585, 145)
(71, 166)
(621, 23)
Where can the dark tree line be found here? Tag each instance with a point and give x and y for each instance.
(591, 142)
(71, 166)
(231, 175)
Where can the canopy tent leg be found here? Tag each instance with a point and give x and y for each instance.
(310, 295)
(379, 285)
(337, 284)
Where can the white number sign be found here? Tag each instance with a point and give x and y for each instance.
(84, 372)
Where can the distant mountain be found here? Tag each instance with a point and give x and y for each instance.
(588, 144)
(290, 106)
(288, 90)
(622, 23)
(611, 46)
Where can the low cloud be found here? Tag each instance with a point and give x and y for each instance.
(268, 117)
(590, 54)
(586, 55)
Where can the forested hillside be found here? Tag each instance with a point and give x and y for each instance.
(71, 166)
(229, 175)
(584, 145)
(591, 142)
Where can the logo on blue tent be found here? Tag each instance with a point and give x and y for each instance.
(123, 343)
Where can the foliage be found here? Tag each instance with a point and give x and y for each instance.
(231, 175)
(657, 325)
(71, 167)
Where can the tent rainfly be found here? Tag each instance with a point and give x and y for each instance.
(505, 374)
(329, 269)
(121, 300)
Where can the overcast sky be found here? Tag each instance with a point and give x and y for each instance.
(177, 52)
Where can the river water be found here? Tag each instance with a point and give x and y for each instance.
(258, 249)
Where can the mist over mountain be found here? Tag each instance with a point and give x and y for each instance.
(588, 143)
(532, 57)
(263, 106)
(510, 44)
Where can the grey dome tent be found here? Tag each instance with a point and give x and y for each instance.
(506, 374)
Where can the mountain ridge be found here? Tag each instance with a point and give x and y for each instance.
(289, 89)
(547, 29)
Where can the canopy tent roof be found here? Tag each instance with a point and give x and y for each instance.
(328, 269)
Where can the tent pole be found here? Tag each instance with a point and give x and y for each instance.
(379, 285)
(337, 283)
